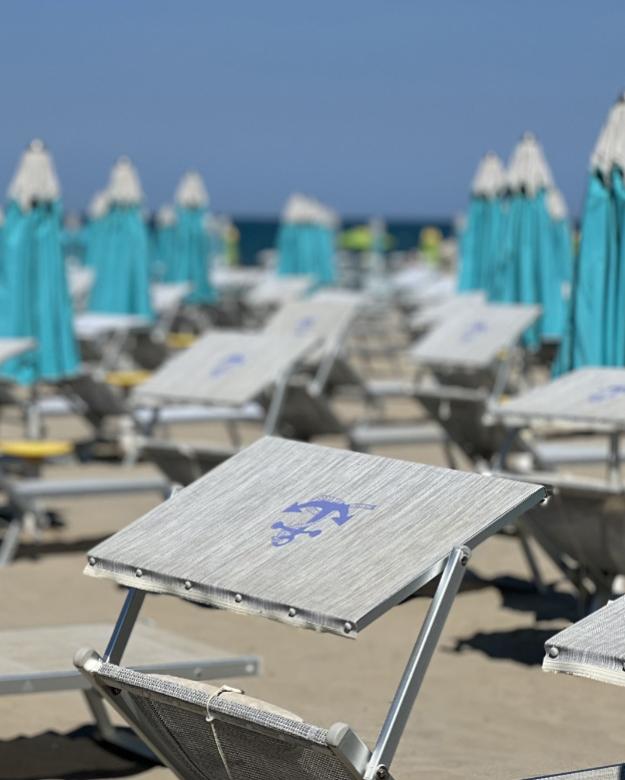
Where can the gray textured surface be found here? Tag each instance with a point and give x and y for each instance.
(245, 739)
(615, 772)
(218, 533)
(28, 655)
(12, 347)
(587, 396)
(594, 647)
(327, 320)
(475, 337)
(226, 367)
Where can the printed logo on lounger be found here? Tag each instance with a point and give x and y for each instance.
(226, 364)
(473, 331)
(308, 514)
(609, 393)
(304, 325)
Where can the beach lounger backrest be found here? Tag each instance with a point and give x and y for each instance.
(328, 320)
(475, 338)
(206, 733)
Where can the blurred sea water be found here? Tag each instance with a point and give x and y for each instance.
(258, 234)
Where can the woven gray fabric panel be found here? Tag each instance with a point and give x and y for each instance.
(594, 647)
(241, 742)
(475, 337)
(588, 395)
(10, 348)
(310, 535)
(616, 772)
(227, 367)
(327, 320)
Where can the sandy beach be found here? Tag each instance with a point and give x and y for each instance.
(486, 709)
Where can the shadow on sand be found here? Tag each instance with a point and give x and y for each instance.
(77, 755)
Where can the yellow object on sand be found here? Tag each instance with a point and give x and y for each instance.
(35, 449)
(181, 340)
(127, 379)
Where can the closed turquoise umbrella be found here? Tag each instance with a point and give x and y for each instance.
(122, 266)
(307, 240)
(596, 333)
(481, 239)
(95, 229)
(35, 297)
(162, 243)
(192, 249)
(532, 269)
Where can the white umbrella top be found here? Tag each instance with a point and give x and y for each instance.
(191, 191)
(528, 169)
(303, 209)
(490, 177)
(99, 205)
(124, 187)
(609, 150)
(35, 178)
(556, 205)
(166, 216)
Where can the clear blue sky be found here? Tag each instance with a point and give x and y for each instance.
(376, 107)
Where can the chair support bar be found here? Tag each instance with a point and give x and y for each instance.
(415, 670)
(124, 625)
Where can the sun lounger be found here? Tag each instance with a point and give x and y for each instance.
(38, 660)
(25, 495)
(469, 359)
(585, 522)
(274, 291)
(103, 337)
(329, 319)
(592, 648)
(294, 533)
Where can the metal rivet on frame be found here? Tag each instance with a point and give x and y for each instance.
(238, 598)
(347, 628)
(91, 561)
(292, 612)
(139, 573)
(553, 652)
(187, 585)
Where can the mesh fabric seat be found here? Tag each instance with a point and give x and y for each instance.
(615, 772)
(206, 733)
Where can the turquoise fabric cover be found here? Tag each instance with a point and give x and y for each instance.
(307, 249)
(192, 254)
(35, 300)
(122, 265)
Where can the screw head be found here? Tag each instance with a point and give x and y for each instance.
(91, 560)
(187, 585)
(292, 612)
(553, 652)
(238, 598)
(139, 573)
(381, 772)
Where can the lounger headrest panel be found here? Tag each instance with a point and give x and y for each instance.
(312, 536)
(474, 337)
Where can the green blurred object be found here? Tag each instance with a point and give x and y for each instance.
(362, 238)
(430, 240)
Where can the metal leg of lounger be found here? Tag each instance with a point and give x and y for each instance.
(614, 461)
(418, 663)
(123, 628)
(524, 540)
(109, 733)
(10, 541)
(449, 453)
(275, 407)
(235, 435)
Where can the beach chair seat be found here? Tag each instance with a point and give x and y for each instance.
(38, 660)
(614, 772)
(218, 733)
(184, 463)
